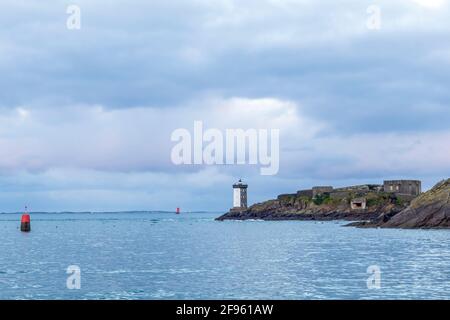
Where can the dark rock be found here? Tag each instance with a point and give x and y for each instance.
(299, 207)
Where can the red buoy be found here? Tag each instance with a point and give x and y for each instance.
(25, 223)
(178, 210)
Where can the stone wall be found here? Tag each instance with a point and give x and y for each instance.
(305, 193)
(408, 187)
(340, 194)
(321, 190)
(363, 187)
(286, 196)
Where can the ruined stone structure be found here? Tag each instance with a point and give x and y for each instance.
(399, 190)
(321, 190)
(403, 187)
(305, 193)
(358, 204)
(363, 187)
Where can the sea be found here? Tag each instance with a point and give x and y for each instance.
(161, 255)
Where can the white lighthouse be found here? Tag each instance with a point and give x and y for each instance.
(239, 195)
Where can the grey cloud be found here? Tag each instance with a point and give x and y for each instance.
(170, 57)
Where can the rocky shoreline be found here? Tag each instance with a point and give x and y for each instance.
(430, 210)
(386, 210)
(320, 214)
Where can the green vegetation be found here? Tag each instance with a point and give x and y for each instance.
(332, 201)
(373, 202)
(377, 199)
(321, 199)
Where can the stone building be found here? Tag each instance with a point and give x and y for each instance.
(405, 187)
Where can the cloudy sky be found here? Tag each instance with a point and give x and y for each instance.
(86, 115)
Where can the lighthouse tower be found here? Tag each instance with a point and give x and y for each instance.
(239, 195)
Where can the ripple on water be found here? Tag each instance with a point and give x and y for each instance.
(157, 256)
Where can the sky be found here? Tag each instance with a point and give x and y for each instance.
(86, 115)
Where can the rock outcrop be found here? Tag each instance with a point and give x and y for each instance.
(336, 206)
(429, 210)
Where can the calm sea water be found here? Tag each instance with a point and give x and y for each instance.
(191, 256)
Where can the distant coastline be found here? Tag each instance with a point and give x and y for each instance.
(104, 212)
